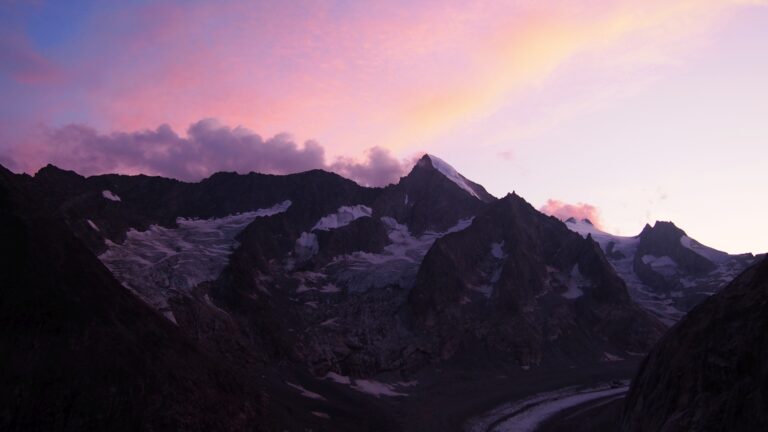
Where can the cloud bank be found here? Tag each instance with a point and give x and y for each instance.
(578, 211)
(208, 147)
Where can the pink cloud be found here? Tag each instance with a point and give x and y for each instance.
(577, 211)
(208, 147)
(379, 168)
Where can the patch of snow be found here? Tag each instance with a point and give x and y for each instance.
(329, 322)
(306, 246)
(497, 250)
(343, 217)
(624, 250)
(340, 379)
(707, 252)
(576, 281)
(110, 196)
(396, 264)
(93, 225)
(160, 262)
(169, 314)
(320, 414)
(406, 199)
(611, 357)
(375, 388)
(211, 304)
(663, 265)
(453, 175)
(306, 393)
(330, 288)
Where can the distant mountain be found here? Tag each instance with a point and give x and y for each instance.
(709, 372)
(310, 290)
(667, 272)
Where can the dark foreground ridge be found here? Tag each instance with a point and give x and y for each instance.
(709, 372)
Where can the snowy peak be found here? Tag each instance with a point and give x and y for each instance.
(433, 162)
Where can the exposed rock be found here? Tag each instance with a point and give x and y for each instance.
(709, 373)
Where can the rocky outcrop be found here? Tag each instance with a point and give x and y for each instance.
(664, 240)
(79, 352)
(521, 285)
(427, 200)
(667, 272)
(709, 372)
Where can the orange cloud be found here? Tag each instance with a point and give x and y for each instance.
(577, 211)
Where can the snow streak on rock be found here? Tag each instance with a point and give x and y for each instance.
(161, 262)
(396, 265)
(110, 196)
(453, 175)
(343, 217)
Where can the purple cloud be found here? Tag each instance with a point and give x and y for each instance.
(380, 168)
(208, 147)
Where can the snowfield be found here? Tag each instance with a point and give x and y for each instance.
(527, 414)
(662, 306)
(397, 264)
(161, 262)
(453, 175)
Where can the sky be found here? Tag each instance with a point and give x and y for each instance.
(625, 112)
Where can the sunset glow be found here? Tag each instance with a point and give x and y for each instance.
(642, 110)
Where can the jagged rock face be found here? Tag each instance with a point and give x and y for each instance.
(520, 283)
(339, 275)
(316, 270)
(664, 240)
(709, 372)
(106, 207)
(427, 200)
(666, 271)
(79, 352)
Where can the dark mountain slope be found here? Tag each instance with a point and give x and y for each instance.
(666, 271)
(520, 283)
(432, 197)
(709, 372)
(79, 352)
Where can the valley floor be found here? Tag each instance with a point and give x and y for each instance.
(454, 400)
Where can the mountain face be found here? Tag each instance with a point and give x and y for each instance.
(709, 373)
(310, 290)
(79, 352)
(520, 283)
(667, 272)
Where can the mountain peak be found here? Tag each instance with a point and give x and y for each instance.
(51, 170)
(433, 162)
(663, 229)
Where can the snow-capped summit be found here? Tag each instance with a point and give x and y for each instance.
(666, 271)
(451, 174)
